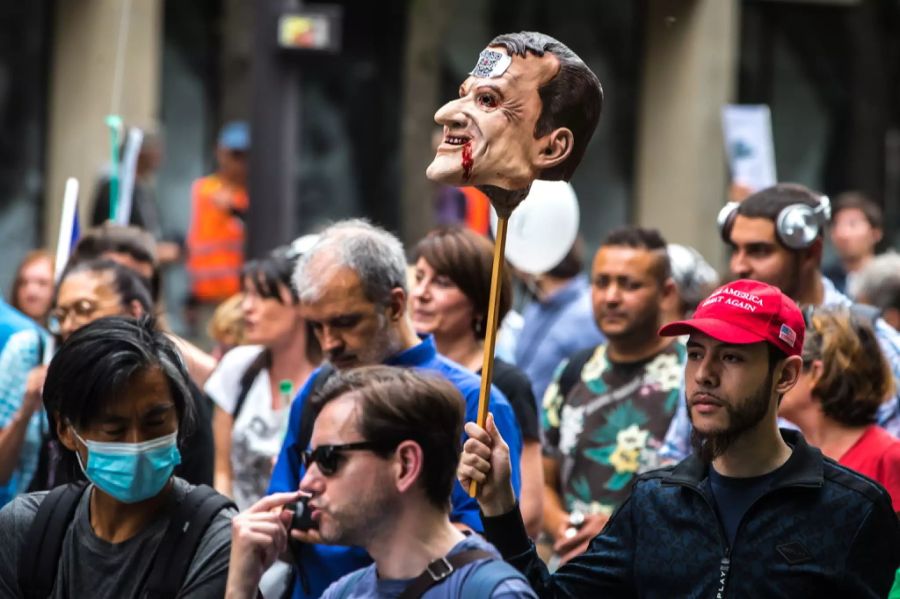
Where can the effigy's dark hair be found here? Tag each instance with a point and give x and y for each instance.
(572, 99)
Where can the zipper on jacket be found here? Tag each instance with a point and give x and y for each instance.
(725, 562)
(724, 567)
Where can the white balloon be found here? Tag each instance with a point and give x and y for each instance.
(543, 228)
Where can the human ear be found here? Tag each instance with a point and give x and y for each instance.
(669, 289)
(397, 303)
(65, 433)
(409, 461)
(816, 371)
(790, 373)
(554, 148)
(135, 309)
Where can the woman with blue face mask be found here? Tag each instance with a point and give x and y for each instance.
(118, 402)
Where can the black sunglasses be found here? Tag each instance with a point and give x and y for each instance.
(328, 457)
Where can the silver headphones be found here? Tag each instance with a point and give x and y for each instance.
(797, 226)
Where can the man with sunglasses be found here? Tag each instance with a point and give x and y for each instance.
(385, 447)
(353, 293)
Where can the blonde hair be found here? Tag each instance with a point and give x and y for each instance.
(856, 378)
(226, 326)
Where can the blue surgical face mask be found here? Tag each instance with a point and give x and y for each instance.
(131, 472)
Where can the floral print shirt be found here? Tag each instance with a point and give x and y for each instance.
(610, 425)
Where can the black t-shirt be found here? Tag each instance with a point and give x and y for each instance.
(517, 388)
(734, 496)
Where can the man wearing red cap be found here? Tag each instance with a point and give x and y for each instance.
(754, 511)
(776, 237)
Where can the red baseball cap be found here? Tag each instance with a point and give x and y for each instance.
(746, 311)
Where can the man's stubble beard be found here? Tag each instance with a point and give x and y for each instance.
(792, 282)
(741, 418)
(385, 342)
(365, 518)
(640, 329)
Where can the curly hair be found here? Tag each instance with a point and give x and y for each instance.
(856, 377)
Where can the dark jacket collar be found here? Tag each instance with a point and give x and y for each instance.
(804, 467)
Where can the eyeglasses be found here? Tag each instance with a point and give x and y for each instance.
(328, 457)
(81, 309)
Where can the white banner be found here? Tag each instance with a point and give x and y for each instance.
(748, 142)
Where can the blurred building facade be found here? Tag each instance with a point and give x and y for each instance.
(829, 70)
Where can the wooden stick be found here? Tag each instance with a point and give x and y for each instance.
(490, 339)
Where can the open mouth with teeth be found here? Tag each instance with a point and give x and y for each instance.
(457, 140)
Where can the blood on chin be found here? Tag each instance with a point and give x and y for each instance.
(467, 161)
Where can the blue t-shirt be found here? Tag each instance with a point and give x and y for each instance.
(323, 564)
(734, 496)
(367, 585)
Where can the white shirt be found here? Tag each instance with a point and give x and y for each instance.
(258, 429)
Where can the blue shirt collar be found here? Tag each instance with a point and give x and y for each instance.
(418, 354)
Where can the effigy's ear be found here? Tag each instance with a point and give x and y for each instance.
(554, 149)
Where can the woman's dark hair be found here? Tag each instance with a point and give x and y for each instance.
(128, 284)
(398, 404)
(855, 376)
(98, 361)
(466, 258)
(268, 276)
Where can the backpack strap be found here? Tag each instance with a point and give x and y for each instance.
(179, 543)
(39, 559)
(261, 362)
(571, 374)
(441, 569)
(486, 577)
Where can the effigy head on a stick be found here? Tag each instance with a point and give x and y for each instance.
(527, 111)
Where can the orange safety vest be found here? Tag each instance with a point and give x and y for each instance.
(215, 241)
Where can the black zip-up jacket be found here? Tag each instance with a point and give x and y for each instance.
(821, 530)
